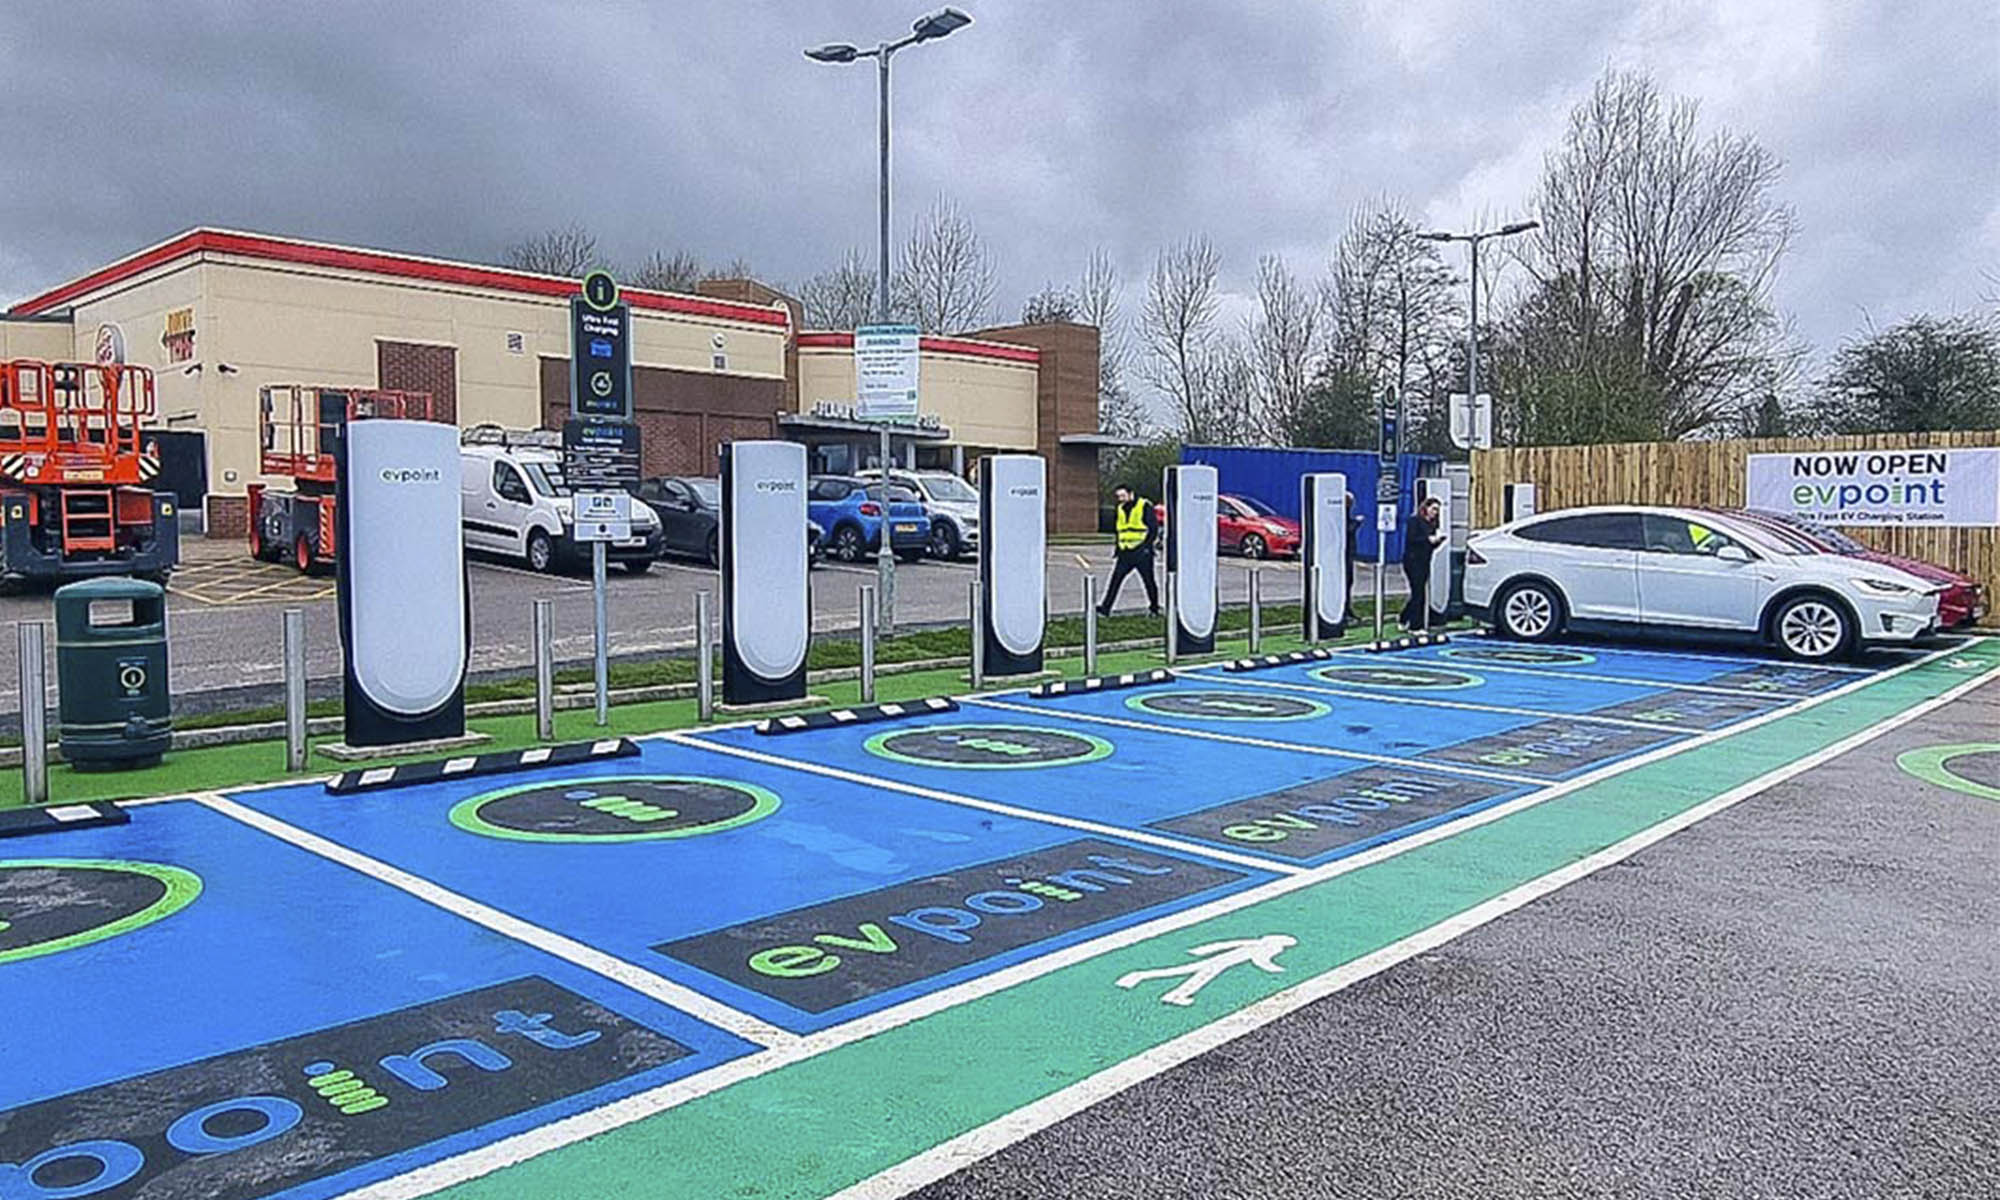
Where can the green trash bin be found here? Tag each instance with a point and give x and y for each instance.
(113, 710)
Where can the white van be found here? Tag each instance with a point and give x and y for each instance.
(513, 502)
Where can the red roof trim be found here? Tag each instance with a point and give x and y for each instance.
(379, 263)
(832, 339)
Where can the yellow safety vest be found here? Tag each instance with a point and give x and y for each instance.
(1132, 524)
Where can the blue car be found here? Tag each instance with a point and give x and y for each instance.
(847, 510)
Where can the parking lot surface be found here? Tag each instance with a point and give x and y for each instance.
(873, 958)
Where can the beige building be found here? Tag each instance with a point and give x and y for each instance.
(218, 314)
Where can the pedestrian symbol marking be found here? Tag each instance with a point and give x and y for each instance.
(1215, 958)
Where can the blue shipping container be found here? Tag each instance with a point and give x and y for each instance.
(1272, 475)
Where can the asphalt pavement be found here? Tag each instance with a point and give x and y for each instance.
(224, 612)
(1796, 998)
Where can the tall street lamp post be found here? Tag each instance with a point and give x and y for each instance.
(924, 29)
(1472, 334)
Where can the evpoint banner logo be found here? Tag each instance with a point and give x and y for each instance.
(776, 486)
(1957, 487)
(411, 475)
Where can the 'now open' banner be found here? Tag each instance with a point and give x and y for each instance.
(1939, 487)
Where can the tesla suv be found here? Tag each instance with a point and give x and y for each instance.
(1673, 569)
(1962, 602)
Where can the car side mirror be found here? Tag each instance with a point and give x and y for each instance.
(1733, 554)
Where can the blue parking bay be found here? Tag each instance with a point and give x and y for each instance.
(200, 1010)
(801, 899)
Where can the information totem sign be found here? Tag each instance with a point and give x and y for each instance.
(1519, 501)
(1439, 598)
(405, 628)
(600, 360)
(1323, 519)
(1013, 561)
(1190, 491)
(766, 625)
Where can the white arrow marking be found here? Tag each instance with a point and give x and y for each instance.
(1216, 957)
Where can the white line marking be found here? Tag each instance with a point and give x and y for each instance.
(591, 959)
(1204, 676)
(1559, 672)
(1742, 660)
(996, 1135)
(525, 1145)
(1269, 743)
(993, 806)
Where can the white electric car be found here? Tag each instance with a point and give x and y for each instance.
(1646, 569)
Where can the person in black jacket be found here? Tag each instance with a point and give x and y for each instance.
(1419, 540)
(1353, 551)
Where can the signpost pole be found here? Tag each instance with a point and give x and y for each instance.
(602, 633)
(885, 555)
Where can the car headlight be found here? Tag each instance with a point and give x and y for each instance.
(1883, 587)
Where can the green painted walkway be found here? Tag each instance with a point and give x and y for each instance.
(817, 1125)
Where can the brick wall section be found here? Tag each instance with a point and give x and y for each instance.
(228, 516)
(1065, 402)
(683, 416)
(415, 367)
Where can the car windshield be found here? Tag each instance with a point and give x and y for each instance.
(1255, 505)
(1832, 537)
(708, 491)
(546, 478)
(949, 488)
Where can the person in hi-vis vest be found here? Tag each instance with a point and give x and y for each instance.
(1138, 532)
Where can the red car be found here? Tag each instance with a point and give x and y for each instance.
(1961, 603)
(1251, 528)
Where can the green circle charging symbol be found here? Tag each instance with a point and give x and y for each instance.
(623, 808)
(53, 904)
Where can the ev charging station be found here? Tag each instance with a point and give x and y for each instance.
(1323, 547)
(1438, 598)
(1190, 493)
(766, 622)
(1518, 501)
(405, 627)
(1013, 562)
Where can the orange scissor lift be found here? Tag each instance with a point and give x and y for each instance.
(76, 473)
(297, 427)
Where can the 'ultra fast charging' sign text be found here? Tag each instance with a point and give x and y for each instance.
(1933, 486)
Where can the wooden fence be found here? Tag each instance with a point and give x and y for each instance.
(1712, 473)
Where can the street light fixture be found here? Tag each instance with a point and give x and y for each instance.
(1472, 334)
(924, 29)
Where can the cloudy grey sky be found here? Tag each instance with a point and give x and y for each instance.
(452, 127)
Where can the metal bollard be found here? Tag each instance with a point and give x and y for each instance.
(1312, 608)
(1173, 620)
(1256, 610)
(976, 627)
(545, 671)
(1090, 625)
(34, 713)
(867, 643)
(704, 659)
(295, 690)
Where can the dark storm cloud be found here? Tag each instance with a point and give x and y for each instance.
(453, 128)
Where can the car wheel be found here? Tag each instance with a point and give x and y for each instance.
(1254, 547)
(638, 566)
(303, 557)
(944, 541)
(1812, 628)
(1529, 612)
(541, 552)
(715, 549)
(257, 539)
(847, 544)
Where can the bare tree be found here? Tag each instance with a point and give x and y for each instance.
(1284, 346)
(1119, 410)
(569, 251)
(1187, 358)
(1394, 315)
(664, 272)
(841, 297)
(945, 281)
(1655, 259)
(1051, 305)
